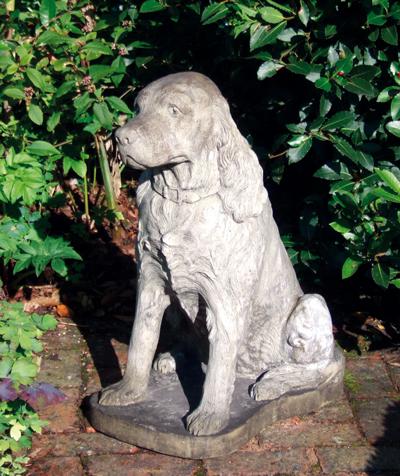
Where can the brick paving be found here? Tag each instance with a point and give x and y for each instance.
(358, 435)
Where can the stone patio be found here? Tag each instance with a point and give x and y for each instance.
(357, 435)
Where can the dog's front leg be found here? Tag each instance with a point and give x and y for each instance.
(151, 304)
(212, 414)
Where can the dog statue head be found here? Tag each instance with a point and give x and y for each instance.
(184, 129)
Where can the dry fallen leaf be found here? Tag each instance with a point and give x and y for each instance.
(63, 311)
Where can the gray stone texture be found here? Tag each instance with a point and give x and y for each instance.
(209, 252)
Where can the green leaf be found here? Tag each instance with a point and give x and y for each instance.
(213, 13)
(95, 49)
(103, 115)
(35, 114)
(339, 120)
(365, 160)
(388, 196)
(264, 35)
(59, 266)
(5, 366)
(339, 227)
(324, 84)
(64, 88)
(302, 67)
(36, 78)
(118, 104)
(390, 35)
(271, 15)
(304, 13)
(47, 11)
(24, 368)
(324, 105)
(280, 6)
(395, 282)
(390, 179)
(79, 167)
(14, 93)
(297, 153)
(326, 172)
(380, 275)
(53, 121)
(367, 72)
(350, 266)
(394, 128)
(42, 148)
(387, 94)
(359, 86)
(268, 69)
(395, 107)
(150, 6)
(376, 18)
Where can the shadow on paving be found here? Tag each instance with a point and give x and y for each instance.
(386, 454)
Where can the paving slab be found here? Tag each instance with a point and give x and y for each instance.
(307, 434)
(368, 378)
(379, 420)
(81, 444)
(295, 461)
(392, 360)
(66, 336)
(61, 368)
(336, 412)
(366, 458)
(68, 466)
(144, 463)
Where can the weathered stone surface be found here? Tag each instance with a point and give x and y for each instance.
(81, 444)
(66, 336)
(392, 360)
(95, 378)
(64, 416)
(369, 459)
(209, 251)
(380, 420)
(371, 378)
(62, 368)
(106, 352)
(338, 412)
(283, 462)
(70, 466)
(143, 463)
(158, 422)
(305, 434)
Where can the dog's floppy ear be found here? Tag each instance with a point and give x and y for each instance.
(242, 190)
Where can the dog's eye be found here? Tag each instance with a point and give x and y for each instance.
(174, 110)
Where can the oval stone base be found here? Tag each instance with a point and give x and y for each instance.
(158, 422)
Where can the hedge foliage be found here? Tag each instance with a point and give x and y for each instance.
(314, 85)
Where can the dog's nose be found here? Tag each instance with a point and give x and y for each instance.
(122, 137)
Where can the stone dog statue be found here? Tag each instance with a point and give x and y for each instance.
(208, 240)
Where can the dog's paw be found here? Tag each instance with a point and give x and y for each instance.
(119, 394)
(201, 422)
(266, 390)
(164, 363)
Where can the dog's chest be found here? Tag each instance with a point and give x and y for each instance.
(181, 237)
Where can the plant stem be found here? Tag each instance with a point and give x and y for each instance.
(94, 182)
(105, 172)
(86, 196)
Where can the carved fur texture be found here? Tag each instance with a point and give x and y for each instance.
(208, 244)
